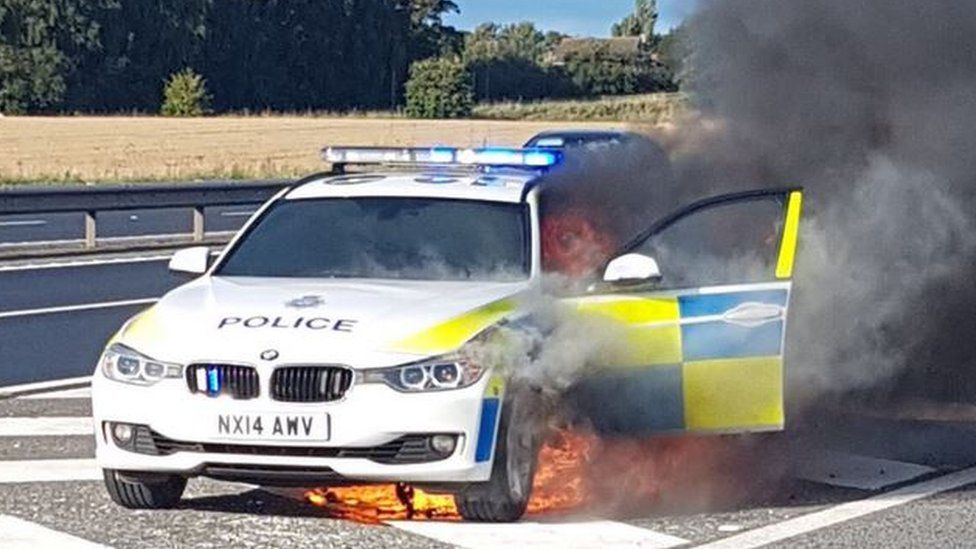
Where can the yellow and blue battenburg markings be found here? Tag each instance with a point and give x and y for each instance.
(689, 362)
(700, 372)
(491, 406)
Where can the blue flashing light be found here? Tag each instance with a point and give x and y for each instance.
(213, 380)
(542, 159)
(442, 156)
(493, 156)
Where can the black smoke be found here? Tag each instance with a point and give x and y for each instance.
(871, 105)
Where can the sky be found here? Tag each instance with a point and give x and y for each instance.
(573, 17)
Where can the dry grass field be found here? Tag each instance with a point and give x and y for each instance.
(92, 149)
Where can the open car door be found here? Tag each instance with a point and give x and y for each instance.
(699, 304)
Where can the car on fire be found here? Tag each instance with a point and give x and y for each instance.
(340, 337)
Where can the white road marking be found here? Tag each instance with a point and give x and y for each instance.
(79, 393)
(856, 471)
(85, 263)
(17, 533)
(45, 426)
(76, 308)
(236, 214)
(844, 512)
(23, 223)
(48, 470)
(582, 535)
(42, 386)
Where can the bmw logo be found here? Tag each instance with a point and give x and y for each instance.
(270, 354)
(306, 302)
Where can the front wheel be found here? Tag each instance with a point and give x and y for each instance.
(150, 492)
(505, 497)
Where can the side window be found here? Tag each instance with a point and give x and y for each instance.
(724, 243)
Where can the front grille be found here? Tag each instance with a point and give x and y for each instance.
(240, 382)
(404, 450)
(310, 383)
(273, 475)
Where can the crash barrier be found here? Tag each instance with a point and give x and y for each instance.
(92, 200)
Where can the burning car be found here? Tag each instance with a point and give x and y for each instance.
(340, 337)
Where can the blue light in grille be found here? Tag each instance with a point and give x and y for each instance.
(213, 380)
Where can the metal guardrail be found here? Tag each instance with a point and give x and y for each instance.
(92, 200)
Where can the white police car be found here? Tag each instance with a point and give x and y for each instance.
(330, 342)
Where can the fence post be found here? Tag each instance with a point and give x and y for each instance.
(91, 230)
(199, 227)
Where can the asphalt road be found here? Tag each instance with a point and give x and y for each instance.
(41, 338)
(836, 479)
(51, 495)
(16, 229)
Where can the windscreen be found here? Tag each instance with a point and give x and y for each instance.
(389, 238)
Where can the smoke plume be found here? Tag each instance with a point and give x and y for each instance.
(871, 105)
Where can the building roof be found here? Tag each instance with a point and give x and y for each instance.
(625, 46)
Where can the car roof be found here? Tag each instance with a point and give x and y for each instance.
(496, 186)
(580, 135)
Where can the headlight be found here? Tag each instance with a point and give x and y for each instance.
(128, 366)
(441, 374)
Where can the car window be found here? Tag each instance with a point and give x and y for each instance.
(391, 238)
(731, 243)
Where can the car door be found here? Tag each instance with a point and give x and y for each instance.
(699, 348)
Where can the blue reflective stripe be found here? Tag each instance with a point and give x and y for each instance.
(716, 304)
(486, 432)
(712, 340)
(213, 380)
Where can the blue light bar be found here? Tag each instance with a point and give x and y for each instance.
(441, 156)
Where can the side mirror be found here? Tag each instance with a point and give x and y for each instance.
(193, 261)
(632, 269)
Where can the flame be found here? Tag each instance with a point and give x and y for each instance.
(374, 504)
(558, 485)
(577, 470)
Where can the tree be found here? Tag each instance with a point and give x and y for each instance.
(439, 88)
(508, 62)
(185, 94)
(39, 43)
(639, 23)
(143, 42)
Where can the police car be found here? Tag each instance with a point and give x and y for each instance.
(332, 341)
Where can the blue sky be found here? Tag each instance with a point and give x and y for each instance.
(575, 17)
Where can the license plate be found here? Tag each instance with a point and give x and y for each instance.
(274, 426)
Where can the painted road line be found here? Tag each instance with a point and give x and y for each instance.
(23, 223)
(582, 535)
(49, 470)
(856, 471)
(236, 214)
(44, 386)
(84, 263)
(45, 426)
(17, 533)
(844, 512)
(76, 308)
(77, 393)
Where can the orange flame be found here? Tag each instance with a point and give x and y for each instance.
(558, 486)
(576, 470)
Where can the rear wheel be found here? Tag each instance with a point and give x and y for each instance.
(505, 497)
(144, 492)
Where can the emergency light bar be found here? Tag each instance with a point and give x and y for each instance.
(440, 156)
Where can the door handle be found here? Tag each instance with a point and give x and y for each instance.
(751, 315)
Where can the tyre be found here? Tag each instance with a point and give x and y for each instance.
(505, 497)
(150, 492)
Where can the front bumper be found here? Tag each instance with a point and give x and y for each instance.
(370, 416)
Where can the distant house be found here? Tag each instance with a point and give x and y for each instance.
(627, 47)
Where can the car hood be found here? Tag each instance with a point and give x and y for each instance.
(366, 324)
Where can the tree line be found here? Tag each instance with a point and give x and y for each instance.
(288, 55)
